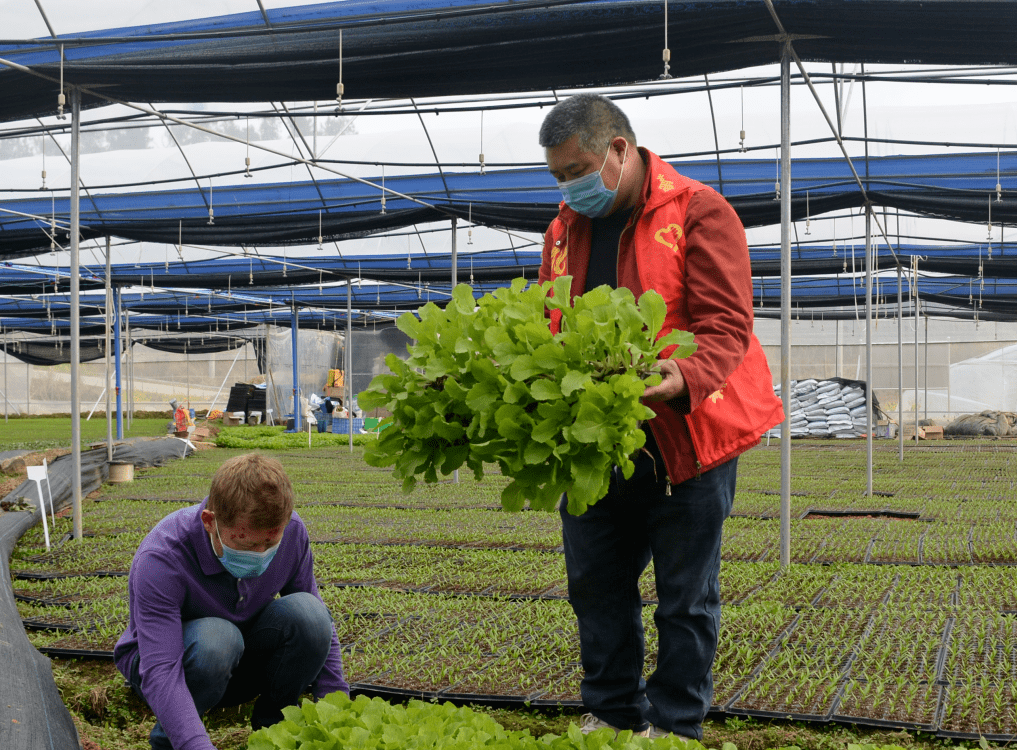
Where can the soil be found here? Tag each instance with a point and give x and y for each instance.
(16, 473)
(9, 484)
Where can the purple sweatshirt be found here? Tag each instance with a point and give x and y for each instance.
(176, 577)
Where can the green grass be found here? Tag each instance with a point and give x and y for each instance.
(276, 438)
(42, 433)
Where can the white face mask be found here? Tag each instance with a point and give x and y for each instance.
(588, 195)
(244, 563)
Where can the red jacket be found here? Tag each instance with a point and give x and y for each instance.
(685, 241)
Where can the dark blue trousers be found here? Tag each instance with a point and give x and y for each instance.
(606, 550)
(276, 657)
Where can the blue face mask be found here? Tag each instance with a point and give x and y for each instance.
(588, 195)
(244, 563)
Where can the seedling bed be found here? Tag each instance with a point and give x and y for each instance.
(397, 605)
(919, 712)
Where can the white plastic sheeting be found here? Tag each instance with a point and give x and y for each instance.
(985, 383)
(990, 379)
(317, 353)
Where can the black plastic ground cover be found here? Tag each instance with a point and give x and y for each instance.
(38, 718)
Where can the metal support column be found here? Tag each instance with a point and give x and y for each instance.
(785, 306)
(6, 398)
(75, 313)
(349, 358)
(129, 349)
(917, 308)
(925, 377)
(455, 280)
(868, 350)
(109, 367)
(117, 357)
(455, 255)
(900, 362)
(294, 319)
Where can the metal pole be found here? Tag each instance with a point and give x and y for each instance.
(212, 405)
(916, 367)
(296, 372)
(868, 350)
(839, 354)
(75, 312)
(925, 378)
(349, 357)
(785, 306)
(130, 370)
(117, 359)
(6, 401)
(900, 363)
(455, 255)
(455, 280)
(95, 406)
(109, 366)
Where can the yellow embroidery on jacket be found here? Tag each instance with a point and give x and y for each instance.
(664, 184)
(671, 229)
(559, 260)
(717, 394)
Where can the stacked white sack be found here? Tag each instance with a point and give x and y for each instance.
(824, 408)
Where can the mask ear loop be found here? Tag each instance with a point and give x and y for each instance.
(625, 159)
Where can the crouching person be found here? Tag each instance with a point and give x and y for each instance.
(224, 608)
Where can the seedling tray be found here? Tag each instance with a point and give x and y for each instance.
(74, 653)
(550, 703)
(390, 693)
(997, 738)
(864, 721)
(492, 701)
(27, 576)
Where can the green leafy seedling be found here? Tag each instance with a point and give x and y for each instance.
(486, 381)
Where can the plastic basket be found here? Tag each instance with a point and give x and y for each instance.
(341, 425)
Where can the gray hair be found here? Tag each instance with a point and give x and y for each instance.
(594, 118)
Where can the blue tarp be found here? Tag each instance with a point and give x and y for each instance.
(957, 186)
(425, 48)
(247, 276)
(182, 312)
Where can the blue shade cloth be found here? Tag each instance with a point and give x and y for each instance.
(422, 48)
(955, 186)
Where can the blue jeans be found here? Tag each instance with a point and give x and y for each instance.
(275, 657)
(606, 550)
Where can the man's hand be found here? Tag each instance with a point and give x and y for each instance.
(672, 386)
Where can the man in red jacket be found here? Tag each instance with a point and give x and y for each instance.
(628, 219)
